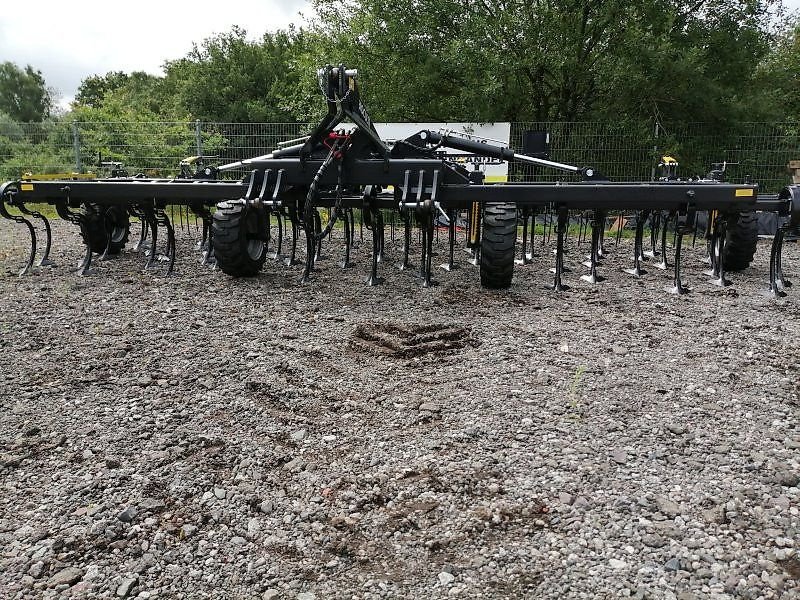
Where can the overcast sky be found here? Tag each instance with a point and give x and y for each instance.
(68, 41)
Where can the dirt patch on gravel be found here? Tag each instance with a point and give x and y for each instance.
(409, 341)
(259, 438)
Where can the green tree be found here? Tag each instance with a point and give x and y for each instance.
(699, 63)
(124, 94)
(550, 60)
(23, 93)
(232, 79)
(93, 89)
(780, 73)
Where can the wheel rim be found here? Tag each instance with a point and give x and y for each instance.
(117, 234)
(255, 248)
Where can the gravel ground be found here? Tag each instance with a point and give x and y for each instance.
(200, 436)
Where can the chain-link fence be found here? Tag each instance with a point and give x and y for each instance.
(619, 150)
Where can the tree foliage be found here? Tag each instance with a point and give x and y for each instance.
(553, 60)
(93, 89)
(229, 78)
(487, 60)
(780, 73)
(23, 93)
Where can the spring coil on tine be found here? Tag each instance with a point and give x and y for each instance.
(7, 193)
(45, 260)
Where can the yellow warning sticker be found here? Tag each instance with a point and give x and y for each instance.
(26, 187)
(744, 193)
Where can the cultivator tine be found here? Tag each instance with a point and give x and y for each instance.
(564, 251)
(451, 241)
(136, 212)
(381, 235)
(665, 221)
(310, 228)
(7, 192)
(206, 245)
(655, 224)
(473, 234)
(318, 232)
(718, 259)
(711, 253)
(620, 223)
(525, 259)
(77, 218)
(423, 232)
(279, 224)
(85, 267)
(107, 227)
(598, 223)
(371, 221)
(708, 235)
(775, 288)
(637, 270)
(548, 226)
(45, 260)
(152, 224)
(582, 228)
(532, 254)
(561, 231)
(601, 251)
(781, 280)
(426, 229)
(681, 230)
(146, 241)
(163, 219)
(208, 253)
(405, 214)
(349, 231)
(291, 260)
(777, 282)
(268, 232)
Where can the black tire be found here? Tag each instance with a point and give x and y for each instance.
(741, 240)
(118, 221)
(239, 237)
(497, 245)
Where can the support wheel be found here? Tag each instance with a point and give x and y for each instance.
(118, 222)
(497, 245)
(239, 237)
(741, 240)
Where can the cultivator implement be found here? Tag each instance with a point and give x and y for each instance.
(337, 170)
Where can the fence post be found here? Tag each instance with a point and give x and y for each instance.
(198, 137)
(655, 153)
(76, 145)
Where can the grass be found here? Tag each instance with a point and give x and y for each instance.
(575, 230)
